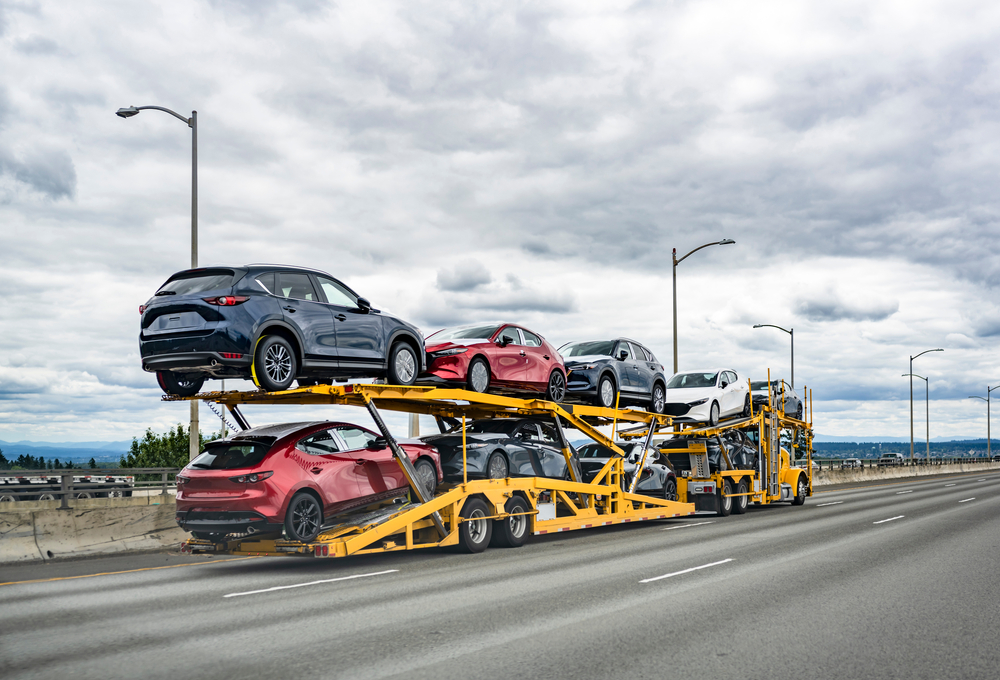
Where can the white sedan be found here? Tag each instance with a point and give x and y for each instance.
(707, 396)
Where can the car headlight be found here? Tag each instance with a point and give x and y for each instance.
(476, 445)
(697, 403)
(449, 352)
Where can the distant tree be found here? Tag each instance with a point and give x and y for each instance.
(4, 463)
(50, 465)
(92, 464)
(169, 449)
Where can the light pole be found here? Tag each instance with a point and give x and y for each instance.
(927, 404)
(723, 242)
(194, 445)
(989, 450)
(911, 394)
(791, 334)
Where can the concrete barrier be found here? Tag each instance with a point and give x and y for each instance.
(17, 537)
(824, 477)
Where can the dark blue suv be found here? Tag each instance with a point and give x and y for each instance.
(271, 324)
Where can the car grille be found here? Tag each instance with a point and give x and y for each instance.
(675, 409)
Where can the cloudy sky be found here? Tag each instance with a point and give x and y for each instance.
(533, 162)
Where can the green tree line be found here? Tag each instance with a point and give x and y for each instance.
(29, 462)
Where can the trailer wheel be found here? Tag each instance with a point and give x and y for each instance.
(304, 517)
(801, 492)
(475, 533)
(7, 498)
(725, 500)
(511, 532)
(741, 502)
(47, 497)
(115, 493)
(84, 494)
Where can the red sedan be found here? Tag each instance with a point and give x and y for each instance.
(292, 476)
(502, 356)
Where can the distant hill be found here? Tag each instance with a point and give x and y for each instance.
(862, 439)
(66, 451)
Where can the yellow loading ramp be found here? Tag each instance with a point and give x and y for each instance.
(550, 505)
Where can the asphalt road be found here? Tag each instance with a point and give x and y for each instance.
(893, 581)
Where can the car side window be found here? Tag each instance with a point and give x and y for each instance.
(319, 444)
(526, 431)
(511, 332)
(355, 437)
(550, 436)
(637, 352)
(266, 281)
(335, 293)
(296, 286)
(530, 339)
(732, 377)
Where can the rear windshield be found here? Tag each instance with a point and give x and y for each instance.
(230, 456)
(199, 282)
(464, 333)
(692, 380)
(596, 451)
(584, 349)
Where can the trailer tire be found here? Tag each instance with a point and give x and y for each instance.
(511, 532)
(47, 497)
(801, 491)
(84, 494)
(474, 535)
(304, 517)
(740, 502)
(7, 498)
(725, 501)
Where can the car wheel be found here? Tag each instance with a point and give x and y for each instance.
(7, 498)
(115, 493)
(274, 364)
(725, 500)
(747, 409)
(83, 494)
(304, 517)
(659, 399)
(511, 532)
(478, 378)
(427, 475)
(475, 531)
(179, 385)
(403, 364)
(801, 491)
(798, 413)
(496, 466)
(47, 497)
(606, 392)
(740, 502)
(670, 490)
(713, 416)
(556, 390)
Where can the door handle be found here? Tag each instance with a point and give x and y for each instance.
(360, 461)
(316, 470)
(522, 353)
(289, 309)
(546, 356)
(340, 317)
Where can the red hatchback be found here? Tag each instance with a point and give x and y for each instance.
(499, 356)
(294, 477)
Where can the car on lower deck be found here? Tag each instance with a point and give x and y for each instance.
(497, 448)
(707, 396)
(495, 357)
(272, 324)
(610, 372)
(656, 477)
(293, 477)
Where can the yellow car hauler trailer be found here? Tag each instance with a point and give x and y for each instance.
(473, 514)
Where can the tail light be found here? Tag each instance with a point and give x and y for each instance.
(251, 478)
(181, 481)
(142, 308)
(226, 300)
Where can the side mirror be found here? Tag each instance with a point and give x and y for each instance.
(622, 355)
(364, 305)
(505, 340)
(377, 444)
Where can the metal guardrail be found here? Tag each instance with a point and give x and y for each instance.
(65, 485)
(838, 463)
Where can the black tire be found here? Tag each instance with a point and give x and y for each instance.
(497, 466)
(304, 517)
(179, 385)
(670, 490)
(403, 364)
(274, 364)
(740, 503)
(747, 408)
(556, 391)
(116, 493)
(607, 392)
(801, 491)
(8, 497)
(84, 494)
(713, 414)
(427, 474)
(658, 398)
(511, 532)
(725, 501)
(798, 413)
(47, 497)
(474, 536)
(477, 378)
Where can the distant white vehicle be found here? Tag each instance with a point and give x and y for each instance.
(707, 396)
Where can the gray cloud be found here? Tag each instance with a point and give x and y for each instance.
(463, 277)
(48, 171)
(37, 44)
(831, 308)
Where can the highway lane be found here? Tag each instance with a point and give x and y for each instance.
(827, 590)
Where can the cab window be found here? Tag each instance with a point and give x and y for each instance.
(355, 437)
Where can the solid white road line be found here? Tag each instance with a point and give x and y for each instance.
(981, 480)
(899, 492)
(834, 503)
(685, 526)
(949, 485)
(890, 519)
(967, 500)
(686, 571)
(311, 583)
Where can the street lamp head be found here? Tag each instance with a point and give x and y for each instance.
(726, 242)
(127, 112)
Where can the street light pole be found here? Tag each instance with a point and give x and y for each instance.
(927, 395)
(194, 445)
(791, 334)
(911, 394)
(989, 449)
(723, 242)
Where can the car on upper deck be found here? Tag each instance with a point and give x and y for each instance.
(707, 396)
(610, 372)
(272, 324)
(781, 393)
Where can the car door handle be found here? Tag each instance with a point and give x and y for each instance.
(522, 353)
(316, 470)
(546, 356)
(340, 317)
(360, 461)
(289, 309)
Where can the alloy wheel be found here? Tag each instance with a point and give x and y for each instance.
(607, 393)
(405, 365)
(305, 518)
(480, 376)
(557, 387)
(277, 363)
(497, 467)
(658, 399)
(518, 525)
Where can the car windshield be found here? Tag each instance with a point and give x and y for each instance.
(682, 380)
(231, 455)
(197, 283)
(464, 333)
(584, 349)
(496, 426)
(760, 385)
